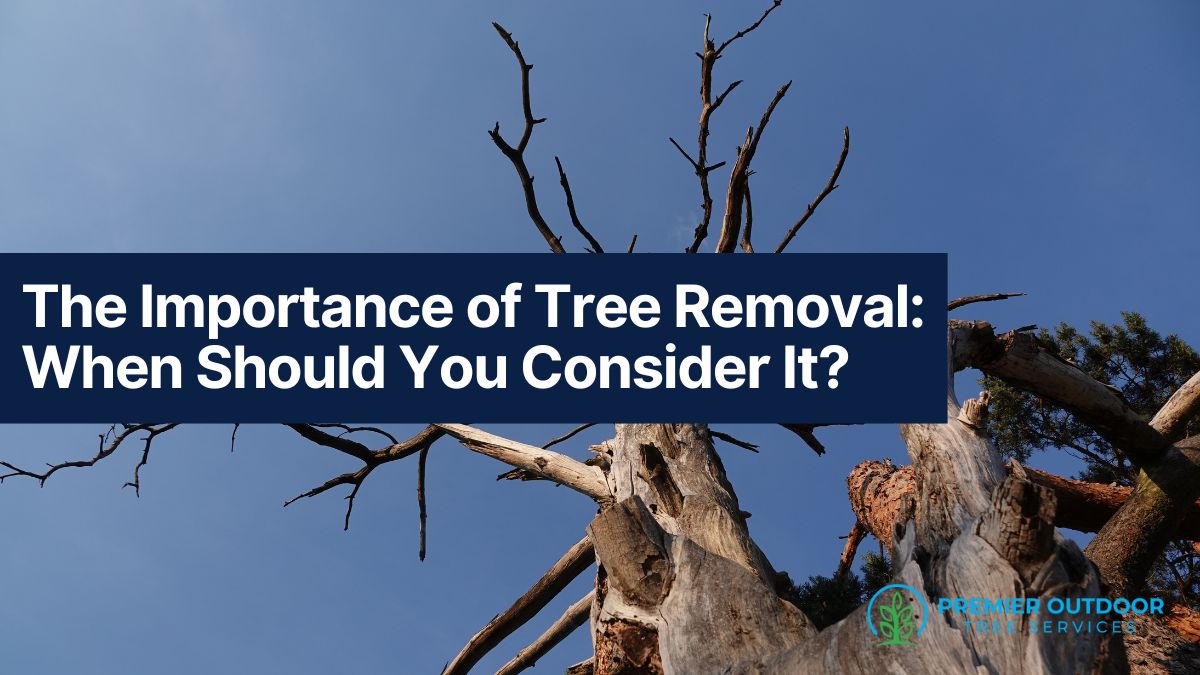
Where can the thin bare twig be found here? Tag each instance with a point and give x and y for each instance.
(569, 435)
(632, 243)
(110, 442)
(746, 31)
(353, 478)
(566, 186)
(516, 154)
(147, 441)
(347, 429)
(421, 499)
(372, 459)
(825, 192)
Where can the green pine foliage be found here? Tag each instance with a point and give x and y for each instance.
(876, 572)
(828, 600)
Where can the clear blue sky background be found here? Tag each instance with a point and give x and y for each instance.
(1051, 148)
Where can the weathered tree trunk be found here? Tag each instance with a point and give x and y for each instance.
(682, 588)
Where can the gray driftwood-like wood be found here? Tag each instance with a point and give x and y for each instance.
(541, 462)
(682, 588)
(975, 532)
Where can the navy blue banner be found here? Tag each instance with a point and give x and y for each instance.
(474, 337)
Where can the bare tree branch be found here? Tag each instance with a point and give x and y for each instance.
(340, 443)
(353, 478)
(746, 31)
(572, 563)
(147, 441)
(1171, 419)
(419, 442)
(971, 299)
(569, 435)
(516, 154)
(735, 195)
(720, 435)
(110, 442)
(825, 192)
(574, 617)
(566, 186)
(708, 105)
(421, 499)
(559, 468)
(805, 432)
(632, 243)
(857, 533)
(746, 245)
(347, 429)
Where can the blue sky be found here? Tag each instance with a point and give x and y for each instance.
(1050, 148)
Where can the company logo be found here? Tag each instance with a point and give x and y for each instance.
(898, 614)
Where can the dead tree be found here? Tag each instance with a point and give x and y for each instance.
(680, 585)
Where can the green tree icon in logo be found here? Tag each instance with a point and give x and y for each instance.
(896, 621)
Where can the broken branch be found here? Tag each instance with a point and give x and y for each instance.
(735, 195)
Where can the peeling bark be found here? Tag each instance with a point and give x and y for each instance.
(681, 586)
(879, 492)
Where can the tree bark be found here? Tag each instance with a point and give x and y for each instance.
(1131, 541)
(682, 588)
(971, 532)
(879, 491)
